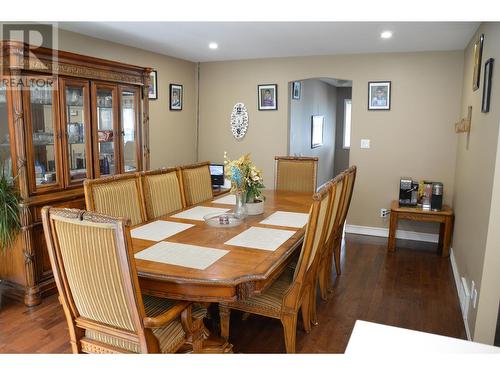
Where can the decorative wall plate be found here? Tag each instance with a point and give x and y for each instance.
(239, 120)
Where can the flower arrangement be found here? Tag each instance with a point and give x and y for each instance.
(245, 177)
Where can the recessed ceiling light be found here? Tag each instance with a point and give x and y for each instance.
(213, 45)
(386, 34)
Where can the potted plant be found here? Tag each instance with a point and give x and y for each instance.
(10, 223)
(246, 183)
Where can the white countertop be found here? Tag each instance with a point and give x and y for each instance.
(372, 338)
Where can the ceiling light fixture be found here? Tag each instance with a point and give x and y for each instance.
(213, 45)
(386, 34)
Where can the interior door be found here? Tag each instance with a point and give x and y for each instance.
(130, 142)
(106, 130)
(43, 134)
(77, 144)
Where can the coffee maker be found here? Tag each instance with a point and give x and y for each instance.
(408, 192)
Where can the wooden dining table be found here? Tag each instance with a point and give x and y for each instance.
(241, 273)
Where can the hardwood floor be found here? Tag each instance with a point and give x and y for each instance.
(411, 288)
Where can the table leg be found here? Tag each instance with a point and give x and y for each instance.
(441, 236)
(447, 237)
(393, 224)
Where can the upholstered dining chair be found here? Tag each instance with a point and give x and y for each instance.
(350, 178)
(326, 256)
(162, 192)
(298, 174)
(117, 196)
(292, 290)
(94, 269)
(196, 183)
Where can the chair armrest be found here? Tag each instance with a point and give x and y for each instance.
(167, 316)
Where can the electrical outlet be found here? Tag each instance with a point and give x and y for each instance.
(384, 212)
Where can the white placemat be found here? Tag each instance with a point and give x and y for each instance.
(227, 199)
(286, 219)
(183, 255)
(197, 213)
(158, 230)
(261, 238)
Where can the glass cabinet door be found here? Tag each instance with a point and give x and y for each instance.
(5, 136)
(76, 124)
(43, 134)
(129, 110)
(106, 135)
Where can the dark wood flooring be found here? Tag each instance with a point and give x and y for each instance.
(411, 288)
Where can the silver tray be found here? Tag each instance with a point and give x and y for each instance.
(225, 220)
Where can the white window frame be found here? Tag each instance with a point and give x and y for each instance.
(344, 139)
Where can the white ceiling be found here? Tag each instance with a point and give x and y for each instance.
(249, 40)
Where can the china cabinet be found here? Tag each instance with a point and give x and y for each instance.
(63, 118)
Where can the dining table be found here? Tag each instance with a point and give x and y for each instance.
(242, 271)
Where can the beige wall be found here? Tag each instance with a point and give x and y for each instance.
(414, 138)
(317, 98)
(172, 133)
(475, 243)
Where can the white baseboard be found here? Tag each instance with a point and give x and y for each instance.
(459, 286)
(384, 232)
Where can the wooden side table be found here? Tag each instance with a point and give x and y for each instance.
(443, 217)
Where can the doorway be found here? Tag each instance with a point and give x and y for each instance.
(320, 123)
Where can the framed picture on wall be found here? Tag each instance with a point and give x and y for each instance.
(478, 54)
(296, 88)
(268, 97)
(176, 97)
(488, 71)
(317, 123)
(379, 95)
(153, 85)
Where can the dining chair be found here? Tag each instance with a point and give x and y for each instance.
(326, 257)
(344, 209)
(162, 192)
(196, 183)
(298, 174)
(94, 269)
(117, 196)
(291, 291)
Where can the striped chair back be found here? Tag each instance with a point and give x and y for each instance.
(298, 174)
(316, 229)
(350, 178)
(97, 282)
(335, 212)
(196, 183)
(162, 192)
(117, 196)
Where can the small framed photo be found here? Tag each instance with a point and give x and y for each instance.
(176, 97)
(317, 123)
(478, 55)
(268, 97)
(296, 87)
(379, 95)
(153, 85)
(488, 71)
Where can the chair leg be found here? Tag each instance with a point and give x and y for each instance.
(324, 279)
(225, 314)
(336, 250)
(306, 312)
(289, 322)
(312, 303)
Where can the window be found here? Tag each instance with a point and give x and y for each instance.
(347, 123)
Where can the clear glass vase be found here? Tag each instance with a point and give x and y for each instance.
(240, 210)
